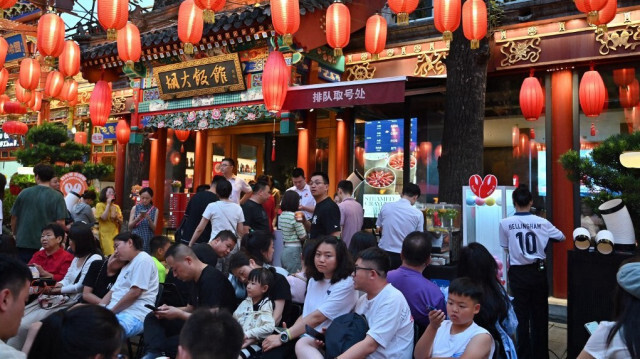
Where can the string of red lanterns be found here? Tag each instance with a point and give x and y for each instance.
(285, 16)
(190, 25)
(338, 29)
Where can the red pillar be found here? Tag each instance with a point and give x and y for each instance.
(303, 150)
(158, 161)
(121, 164)
(342, 160)
(200, 170)
(562, 188)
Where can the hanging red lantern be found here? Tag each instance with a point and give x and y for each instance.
(275, 81)
(515, 134)
(446, 17)
(29, 74)
(4, 48)
(592, 93)
(129, 46)
(190, 25)
(4, 78)
(36, 101)
(80, 137)
(591, 8)
(123, 132)
(630, 95)
(285, 15)
(624, 77)
(174, 158)
(69, 92)
(338, 27)
(606, 15)
(100, 103)
(375, 37)
(3, 99)
(50, 37)
(53, 84)
(532, 133)
(209, 8)
(22, 95)
(15, 128)
(13, 107)
(531, 98)
(113, 16)
(182, 136)
(69, 62)
(6, 4)
(474, 21)
(593, 129)
(403, 8)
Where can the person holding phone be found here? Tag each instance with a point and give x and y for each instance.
(109, 219)
(144, 217)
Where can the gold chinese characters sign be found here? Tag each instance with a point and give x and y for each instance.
(200, 77)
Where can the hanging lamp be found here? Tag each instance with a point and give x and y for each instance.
(29, 76)
(338, 27)
(210, 7)
(129, 45)
(592, 93)
(275, 81)
(285, 16)
(100, 103)
(446, 17)
(474, 21)
(4, 78)
(50, 37)
(402, 8)
(531, 98)
(182, 136)
(375, 37)
(69, 61)
(123, 132)
(113, 16)
(190, 25)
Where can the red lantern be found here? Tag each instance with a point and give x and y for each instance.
(606, 15)
(4, 77)
(80, 137)
(15, 108)
(630, 95)
(53, 85)
(69, 92)
(129, 46)
(624, 77)
(6, 4)
(100, 103)
(424, 152)
(29, 74)
(403, 8)
(123, 132)
(175, 158)
(285, 15)
(516, 181)
(3, 99)
(375, 38)
(190, 25)
(22, 95)
(531, 98)
(36, 101)
(446, 17)
(209, 8)
(182, 136)
(69, 62)
(592, 93)
(113, 16)
(338, 27)
(474, 21)
(4, 48)
(593, 129)
(275, 81)
(50, 36)
(15, 128)
(591, 8)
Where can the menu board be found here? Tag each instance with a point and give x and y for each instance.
(384, 161)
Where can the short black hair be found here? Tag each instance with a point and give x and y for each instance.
(231, 161)
(82, 235)
(44, 172)
(225, 235)
(89, 194)
(158, 242)
(360, 241)
(54, 227)
(8, 245)
(179, 251)
(297, 172)
(522, 196)
(135, 239)
(237, 260)
(103, 193)
(416, 248)
(290, 201)
(346, 186)
(379, 258)
(223, 189)
(411, 190)
(216, 179)
(255, 243)
(262, 276)
(259, 186)
(324, 176)
(344, 263)
(466, 287)
(202, 188)
(147, 190)
(15, 274)
(207, 335)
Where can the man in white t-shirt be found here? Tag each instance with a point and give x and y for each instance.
(307, 202)
(390, 334)
(238, 185)
(136, 286)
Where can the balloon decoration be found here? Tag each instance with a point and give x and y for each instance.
(123, 132)
(446, 17)
(285, 15)
(190, 25)
(129, 46)
(591, 93)
(210, 7)
(53, 84)
(403, 8)
(29, 77)
(113, 16)
(483, 188)
(338, 27)
(531, 98)
(474, 21)
(375, 38)
(630, 94)
(69, 61)
(182, 136)
(606, 15)
(100, 103)
(4, 48)
(275, 81)
(50, 37)
(4, 78)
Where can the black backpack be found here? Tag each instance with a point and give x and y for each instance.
(344, 332)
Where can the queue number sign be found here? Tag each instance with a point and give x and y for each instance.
(205, 76)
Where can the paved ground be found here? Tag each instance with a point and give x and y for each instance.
(557, 328)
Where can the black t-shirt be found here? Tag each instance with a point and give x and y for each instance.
(255, 216)
(325, 219)
(194, 211)
(97, 278)
(205, 253)
(213, 290)
(282, 290)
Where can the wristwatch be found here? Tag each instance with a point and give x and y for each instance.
(284, 336)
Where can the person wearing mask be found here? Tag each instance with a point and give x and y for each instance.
(109, 219)
(300, 186)
(144, 217)
(351, 212)
(238, 185)
(326, 215)
(525, 237)
(82, 211)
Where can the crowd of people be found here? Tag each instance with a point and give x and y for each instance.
(219, 291)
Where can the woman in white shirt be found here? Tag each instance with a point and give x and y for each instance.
(330, 294)
(620, 339)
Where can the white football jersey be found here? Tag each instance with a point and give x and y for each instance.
(526, 236)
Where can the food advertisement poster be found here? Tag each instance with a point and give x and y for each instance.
(384, 161)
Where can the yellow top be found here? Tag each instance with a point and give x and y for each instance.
(109, 228)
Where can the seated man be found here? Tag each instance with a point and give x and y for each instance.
(390, 333)
(210, 289)
(420, 293)
(137, 284)
(208, 335)
(219, 247)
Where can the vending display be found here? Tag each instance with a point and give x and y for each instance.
(177, 206)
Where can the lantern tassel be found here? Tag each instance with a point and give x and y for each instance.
(287, 39)
(209, 16)
(475, 44)
(447, 36)
(188, 48)
(49, 61)
(592, 17)
(375, 57)
(129, 64)
(602, 29)
(112, 34)
(273, 150)
(402, 19)
(337, 52)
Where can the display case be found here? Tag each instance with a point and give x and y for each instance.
(481, 218)
(442, 219)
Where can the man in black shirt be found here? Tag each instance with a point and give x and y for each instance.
(210, 290)
(193, 214)
(219, 247)
(99, 279)
(255, 218)
(326, 216)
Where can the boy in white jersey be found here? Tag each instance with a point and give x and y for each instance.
(460, 336)
(525, 236)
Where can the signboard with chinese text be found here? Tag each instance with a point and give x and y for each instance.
(6, 141)
(97, 138)
(108, 131)
(16, 49)
(73, 182)
(206, 76)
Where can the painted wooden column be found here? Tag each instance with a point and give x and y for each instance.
(562, 189)
(121, 162)
(200, 165)
(157, 174)
(342, 150)
(303, 150)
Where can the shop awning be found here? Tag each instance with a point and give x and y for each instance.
(346, 94)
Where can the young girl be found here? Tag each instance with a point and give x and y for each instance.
(255, 313)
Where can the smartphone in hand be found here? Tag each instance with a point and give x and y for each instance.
(591, 327)
(155, 309)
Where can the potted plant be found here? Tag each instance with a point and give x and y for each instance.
(175, 186)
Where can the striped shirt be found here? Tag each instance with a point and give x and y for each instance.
(291, 229)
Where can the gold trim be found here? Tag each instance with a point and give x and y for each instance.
(358, 72)
(562, 26)
(395, 53)
(565, 32)
(619, 39)
(532, 31)
(430, 63)
(517, 51)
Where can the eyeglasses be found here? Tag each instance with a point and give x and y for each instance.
(317, 183)
(356, 268)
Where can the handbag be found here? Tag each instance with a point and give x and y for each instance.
(52, 301)
(180, 230)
